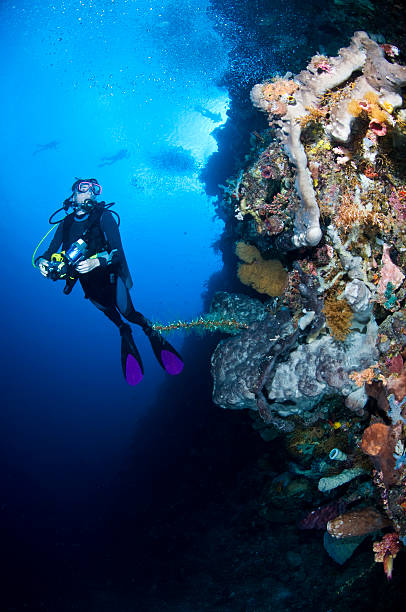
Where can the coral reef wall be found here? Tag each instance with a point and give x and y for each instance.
(323, 195)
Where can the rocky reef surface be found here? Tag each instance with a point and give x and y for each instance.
(318, 219)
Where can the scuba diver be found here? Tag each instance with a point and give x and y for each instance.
(92, 253)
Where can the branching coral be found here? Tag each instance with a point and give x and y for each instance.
(348, 214)
(338, 317)
(315, 114)
(351, 214)
(365, 376)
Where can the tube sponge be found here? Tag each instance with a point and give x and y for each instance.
(332, 482)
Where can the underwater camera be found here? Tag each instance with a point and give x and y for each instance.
(63, 265)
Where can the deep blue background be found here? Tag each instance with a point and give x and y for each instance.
(97, 78)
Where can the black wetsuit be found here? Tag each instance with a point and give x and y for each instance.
(106, 286)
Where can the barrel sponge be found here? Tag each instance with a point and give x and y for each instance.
(265, 276)
(357, 522)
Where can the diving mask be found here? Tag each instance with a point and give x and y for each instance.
(84, 186)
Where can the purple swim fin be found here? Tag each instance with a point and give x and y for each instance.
(166, 355)
(130, 358)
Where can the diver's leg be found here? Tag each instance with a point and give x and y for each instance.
(111, 313)
(131, 361)
(166, 355)
(126, 308)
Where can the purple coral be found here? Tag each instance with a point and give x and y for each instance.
(318, 518)
(397, 201)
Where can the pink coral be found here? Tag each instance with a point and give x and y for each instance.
(390, 50)
(377, 127)
(389, 273)
(397, 201)
(324, 66)
(364, 105)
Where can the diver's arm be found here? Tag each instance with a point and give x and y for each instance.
(112, 234)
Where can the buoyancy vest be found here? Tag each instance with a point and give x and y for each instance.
(92, 233)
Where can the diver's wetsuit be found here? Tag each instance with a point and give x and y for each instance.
(108, 285)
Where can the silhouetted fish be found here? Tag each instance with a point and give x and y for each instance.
(108, 160)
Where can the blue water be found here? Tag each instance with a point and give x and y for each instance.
(137, 94)
(85, 82)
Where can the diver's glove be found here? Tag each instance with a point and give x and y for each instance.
(87, 265)
(43, 266)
